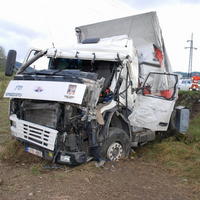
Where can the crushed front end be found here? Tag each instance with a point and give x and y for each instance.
(56, 130)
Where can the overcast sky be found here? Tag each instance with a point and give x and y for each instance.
(25, 24)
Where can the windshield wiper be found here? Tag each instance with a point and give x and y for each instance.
(65, 72)
(41, 72)
(57, 71)
(45, 72)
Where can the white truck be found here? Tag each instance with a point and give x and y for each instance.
(111, 92)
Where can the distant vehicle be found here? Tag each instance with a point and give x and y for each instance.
(195, 83)
(185, 84)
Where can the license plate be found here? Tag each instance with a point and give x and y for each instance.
(33, 151)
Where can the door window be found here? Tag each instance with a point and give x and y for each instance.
(160, 85)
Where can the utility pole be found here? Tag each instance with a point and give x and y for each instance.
(191, 48)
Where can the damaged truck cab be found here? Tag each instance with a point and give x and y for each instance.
(111, 92)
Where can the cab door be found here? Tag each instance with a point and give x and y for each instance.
(155, 102)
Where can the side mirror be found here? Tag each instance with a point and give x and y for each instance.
(10, 62)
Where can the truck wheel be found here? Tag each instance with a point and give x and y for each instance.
(116, 146)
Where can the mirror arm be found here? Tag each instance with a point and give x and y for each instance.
(29, 62)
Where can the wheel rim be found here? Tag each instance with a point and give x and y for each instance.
(115, 151)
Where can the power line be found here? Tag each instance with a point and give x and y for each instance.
(191, 48)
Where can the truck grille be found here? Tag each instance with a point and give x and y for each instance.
(34, 133)
(42, 113)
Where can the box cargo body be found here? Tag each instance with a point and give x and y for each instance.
(143, 29)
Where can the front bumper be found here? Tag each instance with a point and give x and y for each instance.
(40, 141)
(69, 158)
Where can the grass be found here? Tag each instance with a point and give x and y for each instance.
(13, 152)
(4, 104)
(179, 154)
(4, 122)
(4, 80)
(12, 149)
(194, 129)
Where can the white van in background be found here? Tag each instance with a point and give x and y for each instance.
(185, 84)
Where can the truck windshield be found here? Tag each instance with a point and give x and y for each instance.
(50, 66)
(49, 63)
(70, 64)
(56, 64)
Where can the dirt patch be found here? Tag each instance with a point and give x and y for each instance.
(128, 179)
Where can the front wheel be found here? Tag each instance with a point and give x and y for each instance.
(116, 146)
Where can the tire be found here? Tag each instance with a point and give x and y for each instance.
(116, 146)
